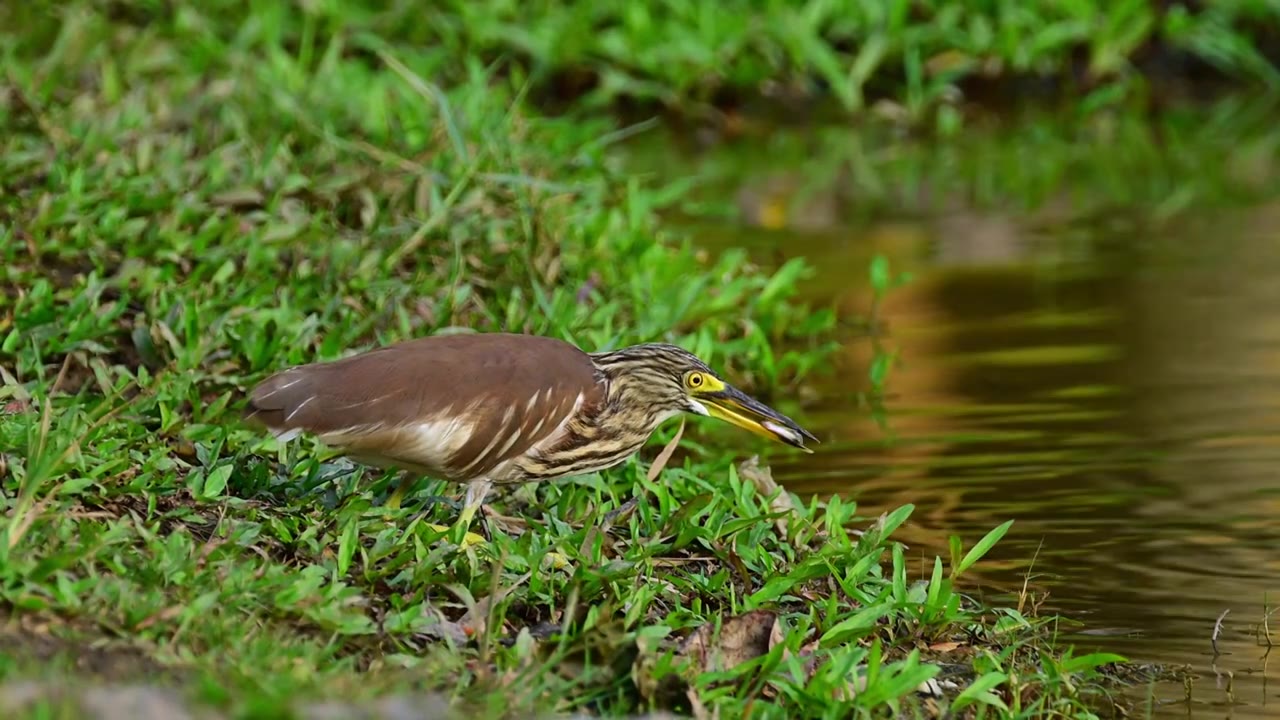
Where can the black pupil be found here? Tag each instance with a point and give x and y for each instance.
(696, 380)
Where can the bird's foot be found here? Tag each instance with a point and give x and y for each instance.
(506, 523)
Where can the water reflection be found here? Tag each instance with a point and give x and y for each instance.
(1125, 410)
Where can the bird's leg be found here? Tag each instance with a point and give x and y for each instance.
(477, 490)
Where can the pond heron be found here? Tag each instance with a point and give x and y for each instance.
(498, 408)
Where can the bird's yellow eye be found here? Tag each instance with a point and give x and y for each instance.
(694, 380)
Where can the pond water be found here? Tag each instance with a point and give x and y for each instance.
(1106, 376)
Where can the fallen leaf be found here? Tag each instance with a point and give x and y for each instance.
(739, 640)
(776, 636)
(642, 673)
(945, 647)
(779, 499)
(509, 524)
(9, 381)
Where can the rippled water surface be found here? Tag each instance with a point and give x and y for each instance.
(1121, 404)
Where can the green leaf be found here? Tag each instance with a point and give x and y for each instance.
(935, 584)
(870, 55)
(1090, 661)
(980, 692)
(879, 273)
(347, 546)
(216, 481)
(880, 367)
(956, 549)
(899, 574)
(858, 624)
(982, 548)
(894, 520)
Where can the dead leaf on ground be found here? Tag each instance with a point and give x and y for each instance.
(779, 499)
(776, 636)
(744, 638)
(740, 639)
(945, 647)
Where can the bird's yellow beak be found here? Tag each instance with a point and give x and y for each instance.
(737, 408)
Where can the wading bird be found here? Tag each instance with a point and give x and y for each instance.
(501, 408)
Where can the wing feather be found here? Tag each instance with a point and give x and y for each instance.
(455, 406)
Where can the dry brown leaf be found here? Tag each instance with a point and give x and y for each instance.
(589, 540)
(740, 639)
(776, 636)
(779, 499)
(664, 457)
(945, 647)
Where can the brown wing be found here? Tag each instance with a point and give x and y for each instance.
(455, 406)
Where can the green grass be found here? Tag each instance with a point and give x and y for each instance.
(919, 54)
(190, 206)
(923, 56)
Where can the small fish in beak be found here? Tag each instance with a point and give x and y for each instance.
(737, 408)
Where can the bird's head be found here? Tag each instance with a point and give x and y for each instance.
(661, 380)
